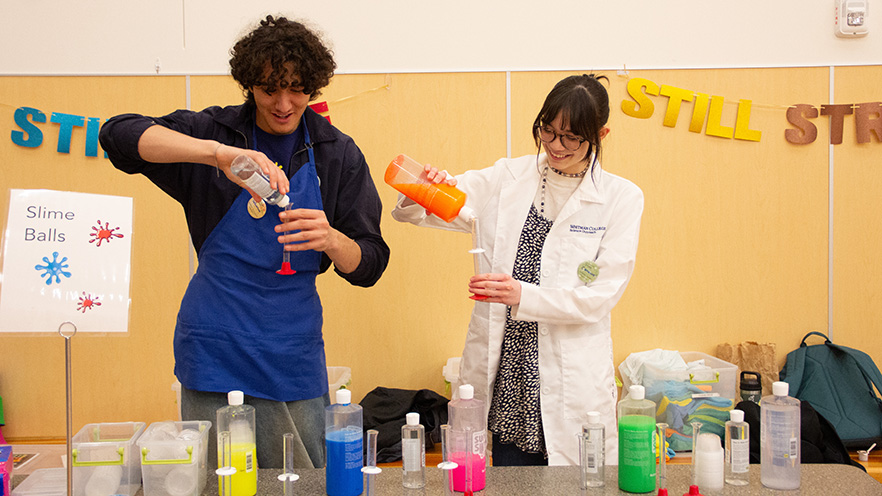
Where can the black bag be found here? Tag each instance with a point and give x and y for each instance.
(385, 410)
(819, 441)
(839, 382)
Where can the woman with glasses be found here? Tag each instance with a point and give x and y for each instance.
(560, 235)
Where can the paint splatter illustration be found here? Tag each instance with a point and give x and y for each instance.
(105, 233)
(88, 302)
(53, 269)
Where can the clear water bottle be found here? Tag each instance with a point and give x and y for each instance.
(468, 440)
(344, 441)
(238, 419)
(413, 452)
(737, 449)
(591, 454)
(780, 437)
(636, 416)
(249, 172)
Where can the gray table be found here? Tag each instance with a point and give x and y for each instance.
(823, 480)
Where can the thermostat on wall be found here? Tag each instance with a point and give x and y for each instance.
(851, 18)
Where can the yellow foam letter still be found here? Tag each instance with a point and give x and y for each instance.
(714, 119)
(642, 107)
(675, 97)
(742, 123)
(699, 112)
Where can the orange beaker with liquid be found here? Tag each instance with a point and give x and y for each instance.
(409, 177)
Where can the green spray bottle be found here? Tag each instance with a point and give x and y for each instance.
(636, 417)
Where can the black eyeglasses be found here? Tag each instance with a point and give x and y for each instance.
(570, 142)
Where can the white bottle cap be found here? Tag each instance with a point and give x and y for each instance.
(637, 392)
(466, 213)
(413, 418)
(344, 396)
(466, 392)
(593, 417)
(780, 388)
(284, 201)
(736, 416)
(235, 398)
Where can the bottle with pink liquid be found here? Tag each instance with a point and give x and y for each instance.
(468, 441)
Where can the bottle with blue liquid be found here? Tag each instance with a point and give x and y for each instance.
(344, 450)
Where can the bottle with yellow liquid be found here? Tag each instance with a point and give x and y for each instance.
(238, 419)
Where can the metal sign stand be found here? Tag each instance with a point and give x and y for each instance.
(67, 331)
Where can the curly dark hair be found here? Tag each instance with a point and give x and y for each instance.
(276, 42)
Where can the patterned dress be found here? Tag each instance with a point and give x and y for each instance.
(515, 416)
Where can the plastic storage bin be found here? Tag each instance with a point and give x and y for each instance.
(105, 459)
(338, 378)
(173, 458)
(43, 482)
(683, 396)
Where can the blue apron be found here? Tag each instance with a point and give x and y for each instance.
(243, 326)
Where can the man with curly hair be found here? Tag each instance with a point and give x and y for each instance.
(241, 325)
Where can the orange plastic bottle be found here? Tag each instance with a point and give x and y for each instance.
(409, 177)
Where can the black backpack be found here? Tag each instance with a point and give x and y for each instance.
(839, 382)
(819, 441)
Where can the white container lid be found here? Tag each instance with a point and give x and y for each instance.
(235, 397)
(344, 396)
(593, 417)
(466, 392)
(736, 415)
(780, 388)
(413, 418)
(466, 213)
(637, 392)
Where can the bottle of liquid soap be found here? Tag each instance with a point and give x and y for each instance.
(591, 454)
(238, 419)
(409, 177)
(249, 172)
(344, 441)
(468, 440)
(636, 416)
(413, 452)
(780, 437)
(737, 449)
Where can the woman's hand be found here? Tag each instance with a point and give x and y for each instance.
(498, 288)
(224, 156)
(439, 176)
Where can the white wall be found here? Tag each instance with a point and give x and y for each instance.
(192, 36)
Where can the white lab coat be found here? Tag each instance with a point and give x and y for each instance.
(600, 222)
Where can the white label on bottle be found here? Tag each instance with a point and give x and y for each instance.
(259, 185)
(410, 454)
(740, 455)
(249, 461)
(794, 446)
(479, 443)
(592, 451)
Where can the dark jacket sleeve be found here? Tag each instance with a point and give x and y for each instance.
(357, 215)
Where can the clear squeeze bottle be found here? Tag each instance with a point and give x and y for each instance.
(413, 452)
(344, 434)
(409, 177)
(591, 454)
(636, 416)
(737, 449)
(779, 439)
(468, 440)
(249, 172)
(238, 419)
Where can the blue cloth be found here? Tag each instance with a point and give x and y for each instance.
(272, 349)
